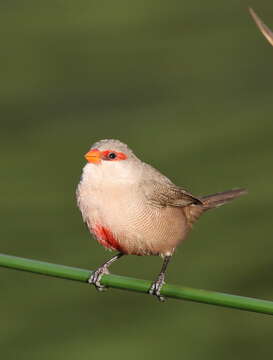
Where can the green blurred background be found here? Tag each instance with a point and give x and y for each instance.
(189, 86)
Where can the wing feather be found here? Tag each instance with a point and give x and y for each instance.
(161, 191)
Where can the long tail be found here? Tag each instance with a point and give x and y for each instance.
(193, 212)
(218, 199)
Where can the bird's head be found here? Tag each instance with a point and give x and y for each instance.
(109, 150)
(112, 158)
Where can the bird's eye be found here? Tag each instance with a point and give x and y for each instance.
(112, 155)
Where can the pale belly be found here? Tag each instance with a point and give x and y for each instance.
(125, 222)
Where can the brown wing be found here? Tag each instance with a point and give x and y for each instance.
(167, 194)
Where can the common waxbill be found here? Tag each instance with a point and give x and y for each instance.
(130, 207)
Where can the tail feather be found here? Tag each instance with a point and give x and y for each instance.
(193, 211)
(218, 199)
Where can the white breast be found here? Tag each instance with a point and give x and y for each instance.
(108, 194)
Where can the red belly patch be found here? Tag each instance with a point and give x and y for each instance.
(106, 238)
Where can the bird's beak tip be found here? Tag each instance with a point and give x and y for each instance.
(93, 156)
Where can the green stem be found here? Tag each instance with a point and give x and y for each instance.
(126, 283)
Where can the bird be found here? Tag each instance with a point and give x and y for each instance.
(132, 208)
(268, 34)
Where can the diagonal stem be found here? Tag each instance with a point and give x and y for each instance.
(126, 283)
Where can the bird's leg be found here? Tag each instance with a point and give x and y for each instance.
(103, 269)
(159, 282)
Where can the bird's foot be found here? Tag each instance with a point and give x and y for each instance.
(156, 287)
(96, 276)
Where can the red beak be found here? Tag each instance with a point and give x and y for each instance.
(93, 156)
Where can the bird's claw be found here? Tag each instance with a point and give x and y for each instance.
(96, 276)
(156, 287)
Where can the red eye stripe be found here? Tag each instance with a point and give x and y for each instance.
(112, 155)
